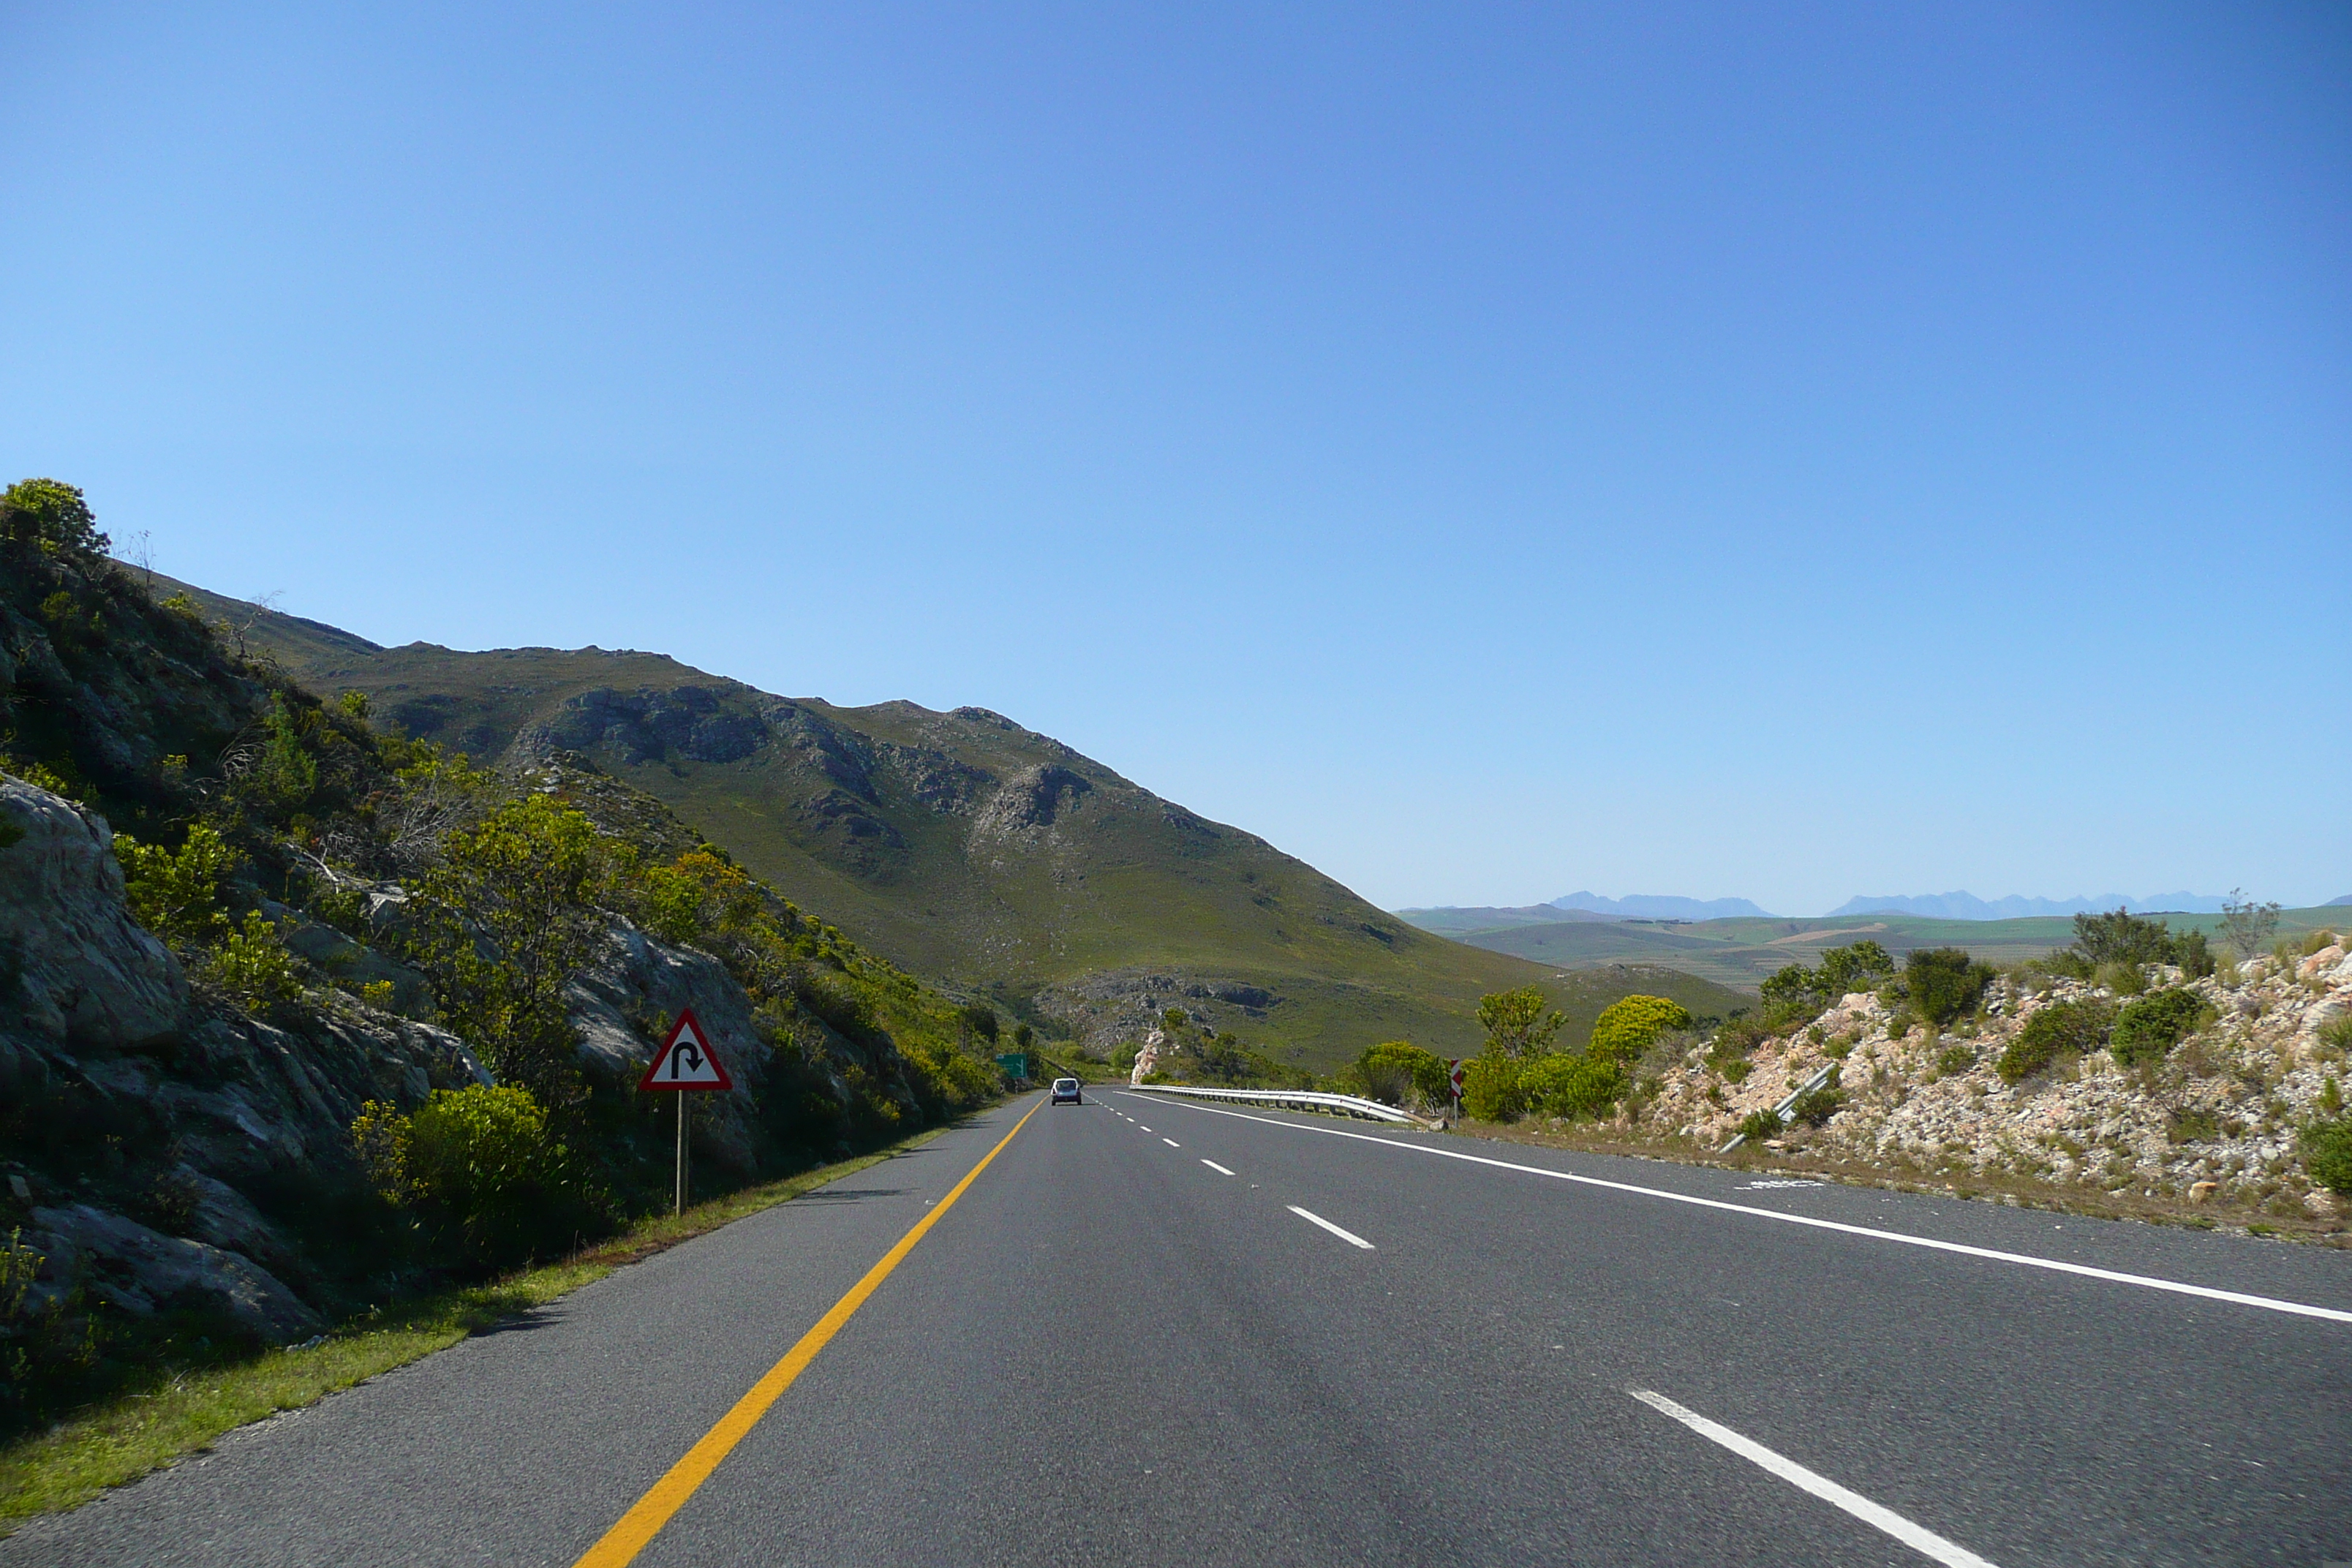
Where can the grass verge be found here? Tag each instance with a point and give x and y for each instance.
(128, 1436)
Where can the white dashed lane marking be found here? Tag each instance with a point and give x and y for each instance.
(1215, 1166)
(1349, 1237)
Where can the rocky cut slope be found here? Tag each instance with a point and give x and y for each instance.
(962, 845)
(2217, 1114)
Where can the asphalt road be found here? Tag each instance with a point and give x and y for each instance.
(1109, 1349)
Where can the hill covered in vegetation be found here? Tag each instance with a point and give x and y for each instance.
(300, 1016)
(971, 850)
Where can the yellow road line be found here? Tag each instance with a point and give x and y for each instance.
(621, 1543)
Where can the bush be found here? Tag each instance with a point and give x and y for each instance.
(2123, 979)
(1817, 1107)
(1628, 1026)
(2062, 1026)
(1761, 1124)
(1517, 1024)
(2152, 1025)
(177, 896)
(1572, 1086)
(483, 1169)
(1942, 983)
(1393, 1069)
(1490, 1087)
(2328, 1154)
(254, 966)
(1955, 1058)
(1862, 966)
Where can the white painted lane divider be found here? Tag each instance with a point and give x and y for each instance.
(1171, 1142)
(2146, 1282)
(1918, 1538)
(1349, 1237)
(1215, 1166)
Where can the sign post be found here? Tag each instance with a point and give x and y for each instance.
(1454, 1076)
(685, 1065)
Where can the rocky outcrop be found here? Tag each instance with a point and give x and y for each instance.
(649, 725)
(1107, 1010)
(636, 989)
(137, 1271)
(2219, 1113)
(1029, 802)
(125, 1092)
(73, 966)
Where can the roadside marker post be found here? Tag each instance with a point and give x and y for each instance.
(1454, 1079)
(685, 1065)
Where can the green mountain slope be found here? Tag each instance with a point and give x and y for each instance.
(961, 845)
(1740, 953)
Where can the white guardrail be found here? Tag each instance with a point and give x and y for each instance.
(1780, 1112)
(1292, 1099)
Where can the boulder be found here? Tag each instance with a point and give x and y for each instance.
(138, 1270)
(86, 974)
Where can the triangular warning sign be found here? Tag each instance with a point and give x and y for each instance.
(686, 1060)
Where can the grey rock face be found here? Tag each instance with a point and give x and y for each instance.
(638, 986)
(85, 973)
(647, 725)
(1030, 800)
(138, 1270)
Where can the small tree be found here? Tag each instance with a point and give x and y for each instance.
(507, 918)
(47, 514)
(1942, 983)
(179, 897)
(2247, 927)
(1517, 1024)
(1631, 1025)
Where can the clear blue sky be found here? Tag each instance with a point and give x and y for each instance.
(1784, 451)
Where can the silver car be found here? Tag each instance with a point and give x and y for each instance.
(1066, 1090)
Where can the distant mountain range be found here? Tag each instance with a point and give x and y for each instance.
(1657, 907)
(1968, 907)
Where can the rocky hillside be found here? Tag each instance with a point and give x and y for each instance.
(319, 928)
(968, 848)
(2214, 1116)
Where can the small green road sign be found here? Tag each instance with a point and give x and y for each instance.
(1015, 1064)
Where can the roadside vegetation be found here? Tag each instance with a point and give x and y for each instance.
(2142, 1062)
(328, 885)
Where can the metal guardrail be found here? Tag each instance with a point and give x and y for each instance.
(1780, 1112)
(1292, 1099)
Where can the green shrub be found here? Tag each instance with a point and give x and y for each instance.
(484, 1171)
(2337, 1033)
(1862, 966)
(1942, 983)
(2328, 1154)
(1490, 1087)
(1818, 1106)
(1761, 1124)
(1627, 1026)
(2152, 1025)
(1955, 1058)
(1517, 1023)
(253, 964)
(2062, 1026)
(178, 896)
(1572, 1086)
(1737, 1069)
(2123, 979)
(1393, 1069)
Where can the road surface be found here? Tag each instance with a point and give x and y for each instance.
(1152, 1332)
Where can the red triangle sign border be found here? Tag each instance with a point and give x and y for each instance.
(710, 1074)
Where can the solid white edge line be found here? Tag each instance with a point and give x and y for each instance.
(2269, 1303)
(1215, 1166)
(1917, 1538)
(1346, 1235)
